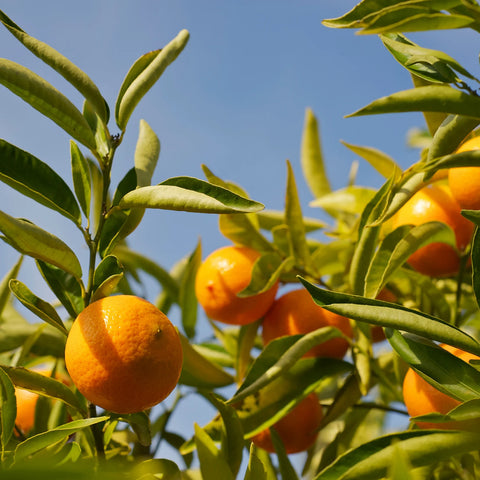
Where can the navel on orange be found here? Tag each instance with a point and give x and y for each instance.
(123, 354)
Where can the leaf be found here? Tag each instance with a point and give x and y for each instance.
(43, 385)
(8, 409)
(381, 162)
(378, 312)
(256, 469)
(65, 286)
(47, 100)
(74, 75)
(372, 460)
(31, 240)
(351, 199)
(424, 99)
(106, 277)
(43, 440)
(4, 289)
(103, 139)
(476, 264)
(190, 195)
(35, 179)
(198, 371)
(143, 77)
(269, 219)
(293, 220)
(443, 370)
(311, 157)
(187, 299)
(286, 469)
(140, 423)
(212, 463)
(81, 178)
(39, 307)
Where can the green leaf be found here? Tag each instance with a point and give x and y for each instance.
(351, 199)
(380, 161)
(43, 385)
(377, 312)
(107, 275)
(82, 182)
(198, 371)
(103, 139)
(476, 264)
(4, 288)
(31, 240)
(269, 219)
(256, 469)
(74, 75)
(372, 460)
(65, 286)
(187, 299)
(39, 307)
(212, 463)
(443, 370)
(190, 195)
(433, 98)
(284, 465)
(143, 76)
(293, 220)
(47, 100)
(311, 157)
(8, 409)
(43, 440)
(140, 423)
(35, 179)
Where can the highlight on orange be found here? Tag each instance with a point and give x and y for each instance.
(436, 203)
(298, 429)
(295, 312)
(421, 398)
(222, 275)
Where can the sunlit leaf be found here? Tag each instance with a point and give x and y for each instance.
(35, 179)
(103, 139)
(4, 288)
(256, 469)
(137, 83)
(81, 178)
(349, 199)
(31, 240)
(107, 275)
(8, 409)
(269, 219)
(47, 100)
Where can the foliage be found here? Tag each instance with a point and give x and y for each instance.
(357, 258)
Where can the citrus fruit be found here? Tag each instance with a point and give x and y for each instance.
(435, 203)
(422, 398)
(465, 181)
(295, 312)
(298, 429)
(221, 276)
(123, 354)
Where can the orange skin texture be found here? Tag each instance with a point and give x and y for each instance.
(435, 203)
(123, 354)
(222, 275)
(422, 398)
(295, 312)
(464, 182)
(298, 429)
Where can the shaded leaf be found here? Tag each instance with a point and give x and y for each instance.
(256, 469)
(140, 423)
(106, 277)
(4, 288)
(8, 409)
(81, 178)
(269, 219)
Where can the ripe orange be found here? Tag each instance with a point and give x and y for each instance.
(123, 354)
(422, 398)
(222, 275)
(27, 402)
(295, 312)
(435, 203)
(298, 429)
(465, 181)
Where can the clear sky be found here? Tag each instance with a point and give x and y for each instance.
(234, 100)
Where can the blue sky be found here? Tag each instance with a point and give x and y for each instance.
(234, 100)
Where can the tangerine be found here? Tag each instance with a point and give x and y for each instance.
(436, 203)
(295, 312)
(421, 397)
(465, 181)
(222, 275)
(123, 354)
(298, 429)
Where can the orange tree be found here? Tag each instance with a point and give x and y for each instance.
(252, 386)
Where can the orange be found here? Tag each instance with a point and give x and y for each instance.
(422, 398)
(123, 354)
(435, 203)
(27, 402)
(298, 429)
(295, 312)
(222, 275)
(465, 181)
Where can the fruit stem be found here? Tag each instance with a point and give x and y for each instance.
(96, 431)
